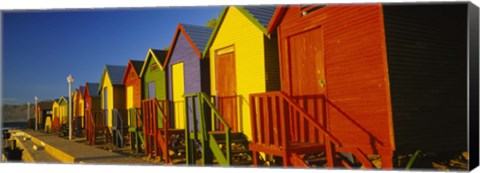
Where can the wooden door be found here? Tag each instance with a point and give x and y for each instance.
(307, 81)
(105, 105)
(178, 89)
(227, 88)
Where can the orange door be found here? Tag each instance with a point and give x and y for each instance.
(226, 88)
(307, 80)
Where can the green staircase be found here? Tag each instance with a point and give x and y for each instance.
(217, 147)
(135, 130)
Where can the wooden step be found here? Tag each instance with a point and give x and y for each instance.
(243, 162)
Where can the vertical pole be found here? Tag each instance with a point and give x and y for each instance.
(70, 81)
(28, 112)
(36, 113)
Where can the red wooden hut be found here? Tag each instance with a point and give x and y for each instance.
(94, 119)
(364, 80)
(133, 86)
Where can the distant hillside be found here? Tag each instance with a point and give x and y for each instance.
(18, 113)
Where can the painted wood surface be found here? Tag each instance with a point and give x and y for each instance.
(248, 43)
(63, 110)
(184, 49)
(178, 90)
(115, 97)
(153, 75)
(133, 95)
(351, 41)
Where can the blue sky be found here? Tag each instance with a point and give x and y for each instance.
(41, 48)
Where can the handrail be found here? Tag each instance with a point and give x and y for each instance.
(203, 98)
(309, 118)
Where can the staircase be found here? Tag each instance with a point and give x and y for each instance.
(96, 127)
(222, 147)
(119, 127)
(135, 130)
(161, 140)
(282, 128)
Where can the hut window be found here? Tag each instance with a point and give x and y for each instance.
(307, 9)
(153, 67)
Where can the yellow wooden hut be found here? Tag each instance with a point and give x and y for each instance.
(112, 93)
(243, 60)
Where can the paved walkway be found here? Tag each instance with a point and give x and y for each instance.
(72, 152)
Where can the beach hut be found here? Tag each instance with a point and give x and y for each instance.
(63, 115)
(155, 106)
(94, 116)
(365, 80)
(55, 120)
(79, 111)
(44, 110)
(112, 92)
(187, 72)
(133, 95)
(243, 60)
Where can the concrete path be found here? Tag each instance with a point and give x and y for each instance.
(72, 152)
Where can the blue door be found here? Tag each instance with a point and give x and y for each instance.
(151, 89)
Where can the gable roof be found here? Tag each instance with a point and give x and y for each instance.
(137, 66)
(115, 72)
(158, 55)
(277, 16)
(80, 90)
(92, 87)
(260, 16)
(197, 36)
(63, 98)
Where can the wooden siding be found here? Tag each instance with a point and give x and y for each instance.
(115, 100)
(248, 41)
(134, 81)
(194, 79)
(63, 110)
(427, 61)
(159, 77)
(355, 71)
(272, 66)
(92, 101)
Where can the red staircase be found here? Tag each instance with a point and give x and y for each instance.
(160, 139)
(281, 127)
(95, 126)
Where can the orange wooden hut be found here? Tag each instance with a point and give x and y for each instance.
(133, 87)
(364, 80)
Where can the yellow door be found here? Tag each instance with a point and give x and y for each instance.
(129, 101)
(178, 88)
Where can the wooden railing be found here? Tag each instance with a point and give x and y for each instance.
(151, 108)
(95, 122)
(119, 124)
(202, 99)
(277, 120)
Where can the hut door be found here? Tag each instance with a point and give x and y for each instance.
(307, 80)
(178, 89)
(105, 105)
(226, 88)
(151, 90)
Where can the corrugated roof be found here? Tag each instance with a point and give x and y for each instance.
(198, 34)
(137, 65)
(93, 87)
(262, 13)
(160, 54)
(115, 72)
